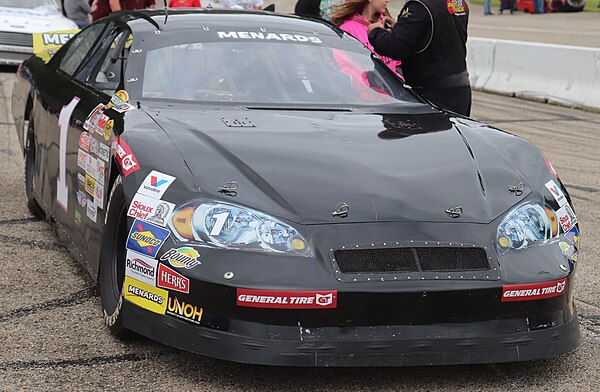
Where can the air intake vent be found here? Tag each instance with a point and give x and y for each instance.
(410, 259)
(16, 39)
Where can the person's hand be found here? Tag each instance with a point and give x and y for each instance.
(94, 6)
(374, 26)
(389, 21)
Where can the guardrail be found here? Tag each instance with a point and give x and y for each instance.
(559, 74)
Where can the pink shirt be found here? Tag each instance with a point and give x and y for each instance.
(357, 27)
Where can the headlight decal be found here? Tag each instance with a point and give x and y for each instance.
(229, 226)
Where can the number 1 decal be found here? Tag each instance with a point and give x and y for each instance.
(62, 191)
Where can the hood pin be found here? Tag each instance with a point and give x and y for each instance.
(454, 212)
(229, 189)
(341, 210)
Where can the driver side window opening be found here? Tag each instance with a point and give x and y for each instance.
(109, 70)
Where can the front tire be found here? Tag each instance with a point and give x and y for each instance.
(112, 260)
(29, 143)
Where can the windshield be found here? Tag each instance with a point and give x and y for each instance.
(31, 4)
(264, 72)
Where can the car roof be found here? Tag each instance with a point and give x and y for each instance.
(223, 18)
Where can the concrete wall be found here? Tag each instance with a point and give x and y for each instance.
(565, 75)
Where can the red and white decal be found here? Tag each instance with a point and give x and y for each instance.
(172, 280)
(84, 141)
(287, 299)
(566, 217)
(125, 158)
(533, 291)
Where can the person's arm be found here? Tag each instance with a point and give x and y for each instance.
(151, 4)
(85, 7)
(115, 5)
(408, 35)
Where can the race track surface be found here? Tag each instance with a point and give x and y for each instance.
(52, 336)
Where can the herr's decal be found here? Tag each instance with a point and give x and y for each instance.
(146, 238)
(267, 36)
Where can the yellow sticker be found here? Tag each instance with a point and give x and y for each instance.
(143, 295)
(120, 98)
(48, 43)
(108, 129)
(90, 185)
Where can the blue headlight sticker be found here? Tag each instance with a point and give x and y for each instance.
(573, 236)
(146, 238)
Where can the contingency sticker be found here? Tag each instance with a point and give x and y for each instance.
(143, 295)
(185, 311)
(90, 185)
(155, 184)
(533, 291)
(566, 217)
(141, 268)
(92, 211)
(146, 238)
(287, 299)
(150, 209)
(557, 193)
(125, 158)
(168, 278)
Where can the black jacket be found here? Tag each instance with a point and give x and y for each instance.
(430, 38)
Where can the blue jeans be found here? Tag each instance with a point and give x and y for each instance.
(538, 6)
(513, 4)
(487, 7)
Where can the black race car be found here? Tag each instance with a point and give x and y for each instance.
(260, 188)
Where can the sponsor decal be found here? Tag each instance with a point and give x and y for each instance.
(99, 195)
(145, 296)
(92, 119)
(99, 171)
(573, 236)
(146, 238)
(568, 250)
(101, 124)
(120, 102)
(90, 185)
(84, 141)
(566, 217)
(172, 280)
(104, 152)
(184, 257)
(267, 36)
(94, 146)
(108, 129)
(81, 180)
(82, 159)
(287, 299)
(47, 43)
(81, 198)
(184, 310)
(92, 167)
(533, 291)
(77, 217)
(556, 192)
(155, 184)
(125, 158)
(141, 268)
(455, 7)
(92, 211)
(150, 209)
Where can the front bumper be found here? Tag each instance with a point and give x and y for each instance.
(489, 341)
(14, 55)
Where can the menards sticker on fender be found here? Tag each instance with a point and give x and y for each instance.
(287, 299)
(533, 291)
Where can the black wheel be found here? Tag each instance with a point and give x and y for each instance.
(32, 204)
(571, 6)
(112, 260)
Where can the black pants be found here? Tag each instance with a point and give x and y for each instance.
(456, 99)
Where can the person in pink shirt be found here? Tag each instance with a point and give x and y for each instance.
(184, 4)
(355, 16)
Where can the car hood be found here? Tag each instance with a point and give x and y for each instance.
(385, 167)
(25, 20)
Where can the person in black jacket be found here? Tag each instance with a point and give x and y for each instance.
(430, 39)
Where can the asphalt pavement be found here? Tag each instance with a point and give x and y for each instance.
(52, 336)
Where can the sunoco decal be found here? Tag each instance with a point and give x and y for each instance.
(146, 238)
(146, 296)
(287, 299)
(533, 291)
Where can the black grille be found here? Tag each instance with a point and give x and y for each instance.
(410, 259)
(16, 39)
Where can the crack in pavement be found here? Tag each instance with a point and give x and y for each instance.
(32, 243)
(94, 361)
(583, 188)
(73, 299)
(19, 221)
